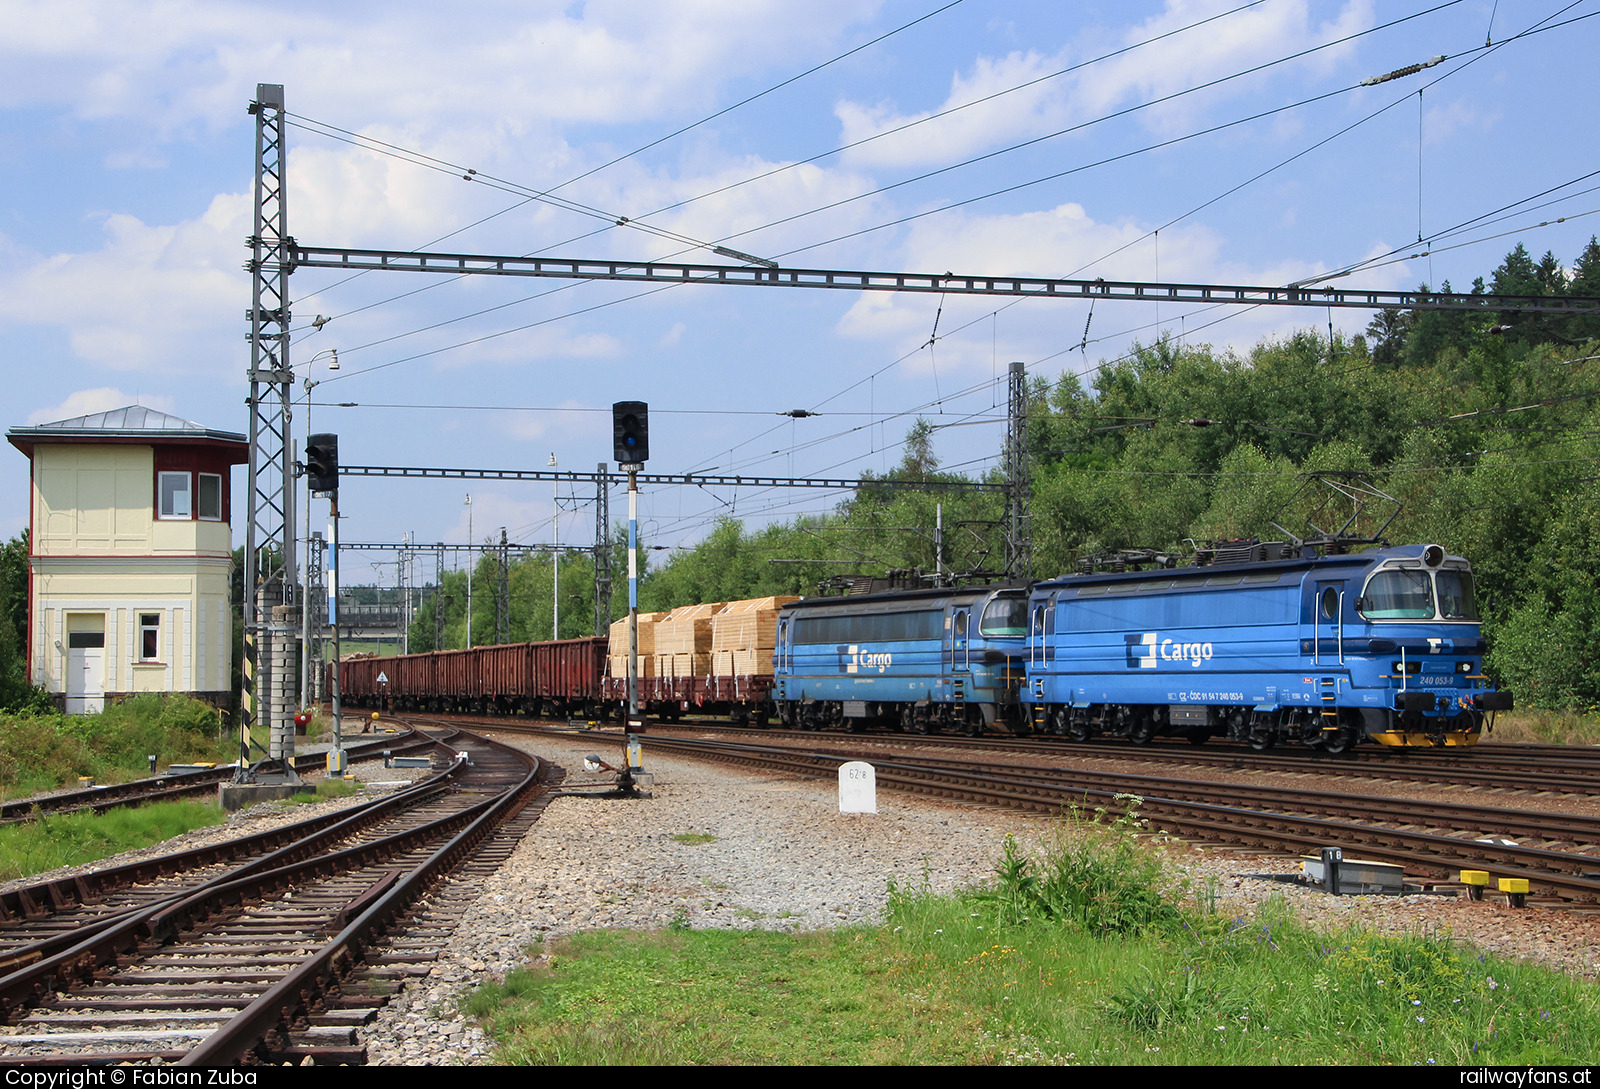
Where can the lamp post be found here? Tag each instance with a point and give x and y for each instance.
(469, 570)
(555, 557)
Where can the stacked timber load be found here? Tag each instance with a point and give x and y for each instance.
(617, 651)
(683, 640)
(743, 636)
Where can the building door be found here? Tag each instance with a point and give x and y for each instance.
(86, 672)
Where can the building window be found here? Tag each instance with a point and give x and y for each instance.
(173, 490)
(208, 500)
(149, 637)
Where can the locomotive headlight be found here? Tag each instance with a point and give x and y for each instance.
(1463, 667)
(1408, 667)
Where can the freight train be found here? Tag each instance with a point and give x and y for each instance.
(1264, 643)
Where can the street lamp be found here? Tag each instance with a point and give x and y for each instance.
(555, 557)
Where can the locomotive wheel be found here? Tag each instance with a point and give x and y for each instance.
(1199, 739)
(1337, 743)
(1141, 732)
(1261, 740)
(970, 724)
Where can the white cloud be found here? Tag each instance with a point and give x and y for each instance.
(86, 402)
(1186, 60)
(178, 63)
(1066, 241)
(149, 299)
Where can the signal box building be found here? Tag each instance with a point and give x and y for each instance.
(130, 552)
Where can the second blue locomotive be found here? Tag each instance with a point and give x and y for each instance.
(1262, 643)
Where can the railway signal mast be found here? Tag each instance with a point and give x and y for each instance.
(322, 477)
(630, 434)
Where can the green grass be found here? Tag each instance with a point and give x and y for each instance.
(999, 976)
(1547, 727)
(44, 751)
(31, 847)
(327, 788)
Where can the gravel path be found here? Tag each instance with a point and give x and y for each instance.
(780, 855)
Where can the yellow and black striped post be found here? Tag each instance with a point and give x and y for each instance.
(247, 701)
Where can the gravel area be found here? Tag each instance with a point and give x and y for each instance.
(780, 855)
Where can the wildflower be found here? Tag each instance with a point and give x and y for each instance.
(1422, 1020)
(1492, 983)
(1416, 1001)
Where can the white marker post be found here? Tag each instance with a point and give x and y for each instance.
(858, 787)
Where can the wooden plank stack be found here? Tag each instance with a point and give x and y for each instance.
(683, 641)
(617, 652)
(743, 636)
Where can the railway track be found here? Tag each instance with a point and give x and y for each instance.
(276, 959)
(1432, 841)
(1558, 768)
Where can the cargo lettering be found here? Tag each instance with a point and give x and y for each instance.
(1193, 653)
(1147, 650)
(854, 661)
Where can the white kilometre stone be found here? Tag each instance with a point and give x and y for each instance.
(858, 787)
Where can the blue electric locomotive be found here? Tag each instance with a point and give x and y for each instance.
(919, 660)
(1322, 650)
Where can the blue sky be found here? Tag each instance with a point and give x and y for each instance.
(125, 170)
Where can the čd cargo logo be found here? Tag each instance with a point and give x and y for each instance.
(1144, 651)
(854, 661)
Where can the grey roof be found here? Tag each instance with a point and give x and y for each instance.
(131, 422)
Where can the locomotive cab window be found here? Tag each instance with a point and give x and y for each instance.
(1456, 599)
(1005, 616)
(1398, 595)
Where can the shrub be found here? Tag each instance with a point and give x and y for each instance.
(1094, 873)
